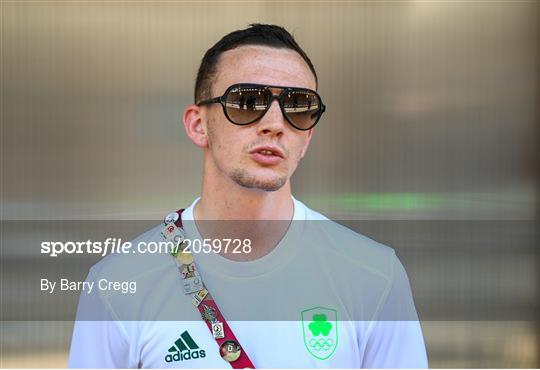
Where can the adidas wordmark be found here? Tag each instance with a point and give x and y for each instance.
(184, 349)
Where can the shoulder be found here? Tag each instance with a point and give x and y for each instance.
(126, 284)
(356, 250)
(344, 247)
(133, 264)
(351, 260)
(303, 212)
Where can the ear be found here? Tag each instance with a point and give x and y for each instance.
(306, 145)
(193, 124)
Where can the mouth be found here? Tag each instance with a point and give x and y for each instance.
(267, 155)
(268, 150)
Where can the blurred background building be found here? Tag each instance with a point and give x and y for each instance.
(429, 143)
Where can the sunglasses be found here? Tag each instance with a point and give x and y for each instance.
(245, 103)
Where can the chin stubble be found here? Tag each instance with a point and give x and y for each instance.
(243, 178)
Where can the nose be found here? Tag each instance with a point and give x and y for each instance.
(273, 122)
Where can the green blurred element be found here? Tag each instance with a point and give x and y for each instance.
(415, 202)
(379, 201)
(385, 201)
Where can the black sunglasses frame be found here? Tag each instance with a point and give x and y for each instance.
(285, 89)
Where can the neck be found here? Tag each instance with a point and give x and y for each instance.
(266, 215)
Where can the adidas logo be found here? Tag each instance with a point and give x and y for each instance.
(184, 349)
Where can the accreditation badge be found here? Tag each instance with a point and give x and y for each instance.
(171, 218)
(199, 296)
(217, 330)
(185, 258)
(192, 285)
(188, 271)
(230, 350)
(209, 314)
(172, 234)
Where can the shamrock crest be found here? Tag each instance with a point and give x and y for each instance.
(320, 325)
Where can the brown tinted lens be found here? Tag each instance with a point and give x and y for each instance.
(301, 107)
(246, 104)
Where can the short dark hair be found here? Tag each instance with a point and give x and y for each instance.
(255, 34)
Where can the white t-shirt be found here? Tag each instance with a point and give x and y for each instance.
(324, 297)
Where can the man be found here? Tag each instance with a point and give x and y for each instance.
(305, 293)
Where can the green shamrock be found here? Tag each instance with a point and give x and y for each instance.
(320, 325)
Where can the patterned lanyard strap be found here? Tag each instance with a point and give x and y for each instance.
(229, 347)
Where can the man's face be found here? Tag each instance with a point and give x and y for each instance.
(235, 151)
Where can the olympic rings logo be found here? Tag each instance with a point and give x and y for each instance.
(321, 344)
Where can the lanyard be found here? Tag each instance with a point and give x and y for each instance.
(229, 346)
